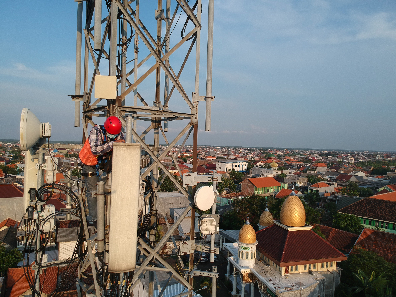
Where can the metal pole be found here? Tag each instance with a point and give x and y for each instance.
(198, 50)
(124, 34)
(78, 64)
(192, 231)
(68, 198)
(213, 236)
(209, 66)
(101, 216)
(38, 249)
(214, 282)
(98, 25)
(135, 69)
(167, 22)
(128, 136)
(113, 39)
(40, 172)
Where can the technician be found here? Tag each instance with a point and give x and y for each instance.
(95, 157)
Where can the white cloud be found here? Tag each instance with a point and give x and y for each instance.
(59, 73)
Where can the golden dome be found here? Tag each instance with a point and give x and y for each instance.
(292, 212)
(266, 218)
(273, 164)
(247, 234)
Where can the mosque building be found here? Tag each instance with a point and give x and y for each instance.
(284, 258)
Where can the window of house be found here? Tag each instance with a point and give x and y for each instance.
(314, 266)
(291, 268)
(310, 266)
(322, 266)
(327, 264)
(305, 267)
(331, 264)
(385, 226)
(376, 224)
(296, 267)
(369, 222)
(247, 255)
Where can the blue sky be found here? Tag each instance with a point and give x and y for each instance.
(312, 74)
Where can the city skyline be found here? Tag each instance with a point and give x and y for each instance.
(317, 74)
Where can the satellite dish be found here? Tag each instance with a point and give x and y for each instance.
(204, 197)
(31, 130)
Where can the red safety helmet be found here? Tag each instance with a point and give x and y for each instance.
(113, 125)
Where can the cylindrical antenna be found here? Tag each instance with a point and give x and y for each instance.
(208, 97)
(98, 25)
(78, 64)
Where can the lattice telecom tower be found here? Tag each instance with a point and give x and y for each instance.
(136, 62)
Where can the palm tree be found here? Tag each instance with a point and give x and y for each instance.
(369, 285)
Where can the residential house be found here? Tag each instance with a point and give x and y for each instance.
(11, 202)
(322, 188)
(297, 180)
(229, 165)
(287, 192)
(382, 243)
(375, 213)
(8, 231)
(264, 186)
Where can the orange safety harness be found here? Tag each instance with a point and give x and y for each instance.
(86, 155)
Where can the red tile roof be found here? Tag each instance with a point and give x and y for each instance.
(10, 191)
(320, 165)
(284, 193)
(320, 185)
(341, 240)
(390, 196)
(8, 223)
(372, 208)
(264, 182)
(48, 280)
(57, 203)
(343, 177)
(392, 187)
(17, 283)
(287, 248)
(382, 243)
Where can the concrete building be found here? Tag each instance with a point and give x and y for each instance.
(229, 165)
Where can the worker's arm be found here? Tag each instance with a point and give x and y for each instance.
(98, 147)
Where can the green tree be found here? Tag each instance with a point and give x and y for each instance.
(347, 222)
(370, 285)
(9, 170)
(313, 179)
(351, 189)
(167, 184)
(368, 263)
(380, 170)
(251, 206)
(236, 176)
(275, 205)
(8, 259)
(312, 215)
(226, 183)
(316, 229)
(312, 198)
(231, 221)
